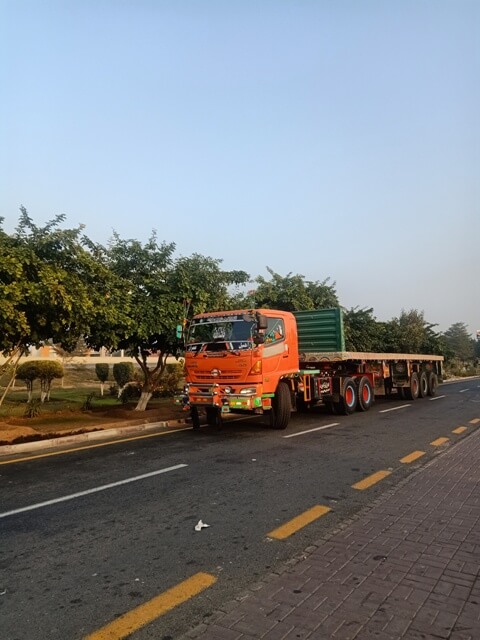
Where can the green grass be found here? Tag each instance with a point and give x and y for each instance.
(61, 400)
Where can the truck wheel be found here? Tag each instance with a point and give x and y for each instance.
(432, 383)
(413, 390)
(350, 396)
(365, 394)
(422, 385)
(281, 407)
(214, 417)
(195, 418)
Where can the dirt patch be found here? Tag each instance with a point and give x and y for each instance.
(15, 430)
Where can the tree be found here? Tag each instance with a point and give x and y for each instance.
(159, 293)
(54, 285)
(362, 331)
(411, 333)
(460, 342)
(102, 371)
(48, 370)
(123, 373)
(291, 293)
(51, 285)
(28, 372)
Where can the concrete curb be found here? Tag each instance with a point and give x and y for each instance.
(101, 434)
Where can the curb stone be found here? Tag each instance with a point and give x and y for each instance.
(100, 434)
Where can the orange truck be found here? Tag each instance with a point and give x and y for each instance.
(270, 362)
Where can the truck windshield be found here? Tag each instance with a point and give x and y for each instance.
(233, 332)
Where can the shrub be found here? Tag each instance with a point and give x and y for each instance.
(102, 370)
(123, 373)
(130, 391)
(48, 370)
(171, 380)
(88, 404)
(28, 372)
(32, 410)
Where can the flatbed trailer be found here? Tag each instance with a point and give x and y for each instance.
(275, 362)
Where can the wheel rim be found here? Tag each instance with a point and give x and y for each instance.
(349, 396)
(366, 395)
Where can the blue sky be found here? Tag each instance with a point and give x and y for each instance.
(333, 139)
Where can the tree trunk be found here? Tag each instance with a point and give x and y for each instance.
(143, 400)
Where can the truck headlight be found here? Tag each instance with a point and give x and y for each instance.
(248, 391)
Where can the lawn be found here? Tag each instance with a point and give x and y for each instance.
(75, 405)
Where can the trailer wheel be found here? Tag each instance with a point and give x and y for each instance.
(214, 417)
(281, 407)
(365, 394)
(195, 418)
(350, 396)
(422, 385)
(413, 390)
(432, 383)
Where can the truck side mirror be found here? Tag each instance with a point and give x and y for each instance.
(258, 338)
(262, 322)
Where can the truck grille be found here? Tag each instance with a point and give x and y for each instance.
(227, 374)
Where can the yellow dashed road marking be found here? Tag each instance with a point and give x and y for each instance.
(459, 430)
(294, 525)
(474, 421)
(145, 613)
(439, 441)
(412, 457)
(370, 480)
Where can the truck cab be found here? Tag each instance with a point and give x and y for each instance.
(235, 360)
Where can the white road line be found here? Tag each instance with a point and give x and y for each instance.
(301, 433)
(463, 390)
(39, 505)
(403, 406)
(437, 398)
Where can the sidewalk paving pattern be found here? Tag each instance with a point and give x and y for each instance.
(407, 568)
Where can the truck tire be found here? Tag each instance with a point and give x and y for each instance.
(350, 396)
(365, 394)
(432, 383)
(214, 417)
(195, 418)
(413, 390)
(281, 407)
(422, 385)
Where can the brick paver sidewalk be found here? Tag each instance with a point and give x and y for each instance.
(408, 568)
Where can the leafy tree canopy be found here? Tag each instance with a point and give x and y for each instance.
(159, 292)
(411, 333)
(52, 287)
(289, 293)
(362, 331)
(459, 341)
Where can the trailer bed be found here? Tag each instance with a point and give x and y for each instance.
(345, 356)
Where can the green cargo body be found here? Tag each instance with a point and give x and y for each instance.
(320, 330)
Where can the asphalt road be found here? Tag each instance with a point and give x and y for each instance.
(78, 562)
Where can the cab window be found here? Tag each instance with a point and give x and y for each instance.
(275, 330)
